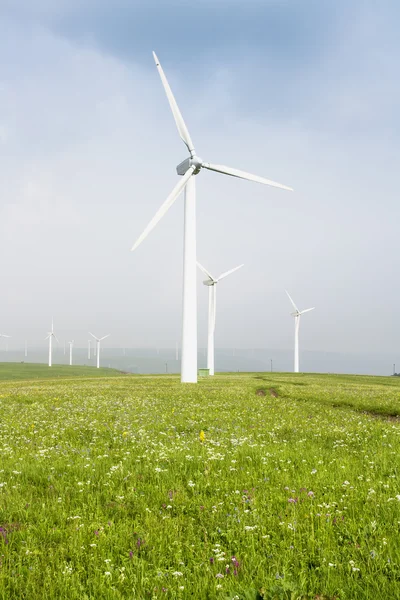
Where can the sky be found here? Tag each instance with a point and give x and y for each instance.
(306, 94)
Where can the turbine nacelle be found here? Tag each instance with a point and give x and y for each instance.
(210, 282)
(194, 162)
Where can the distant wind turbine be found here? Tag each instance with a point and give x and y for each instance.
(3, 335)
(98, 340)
(190, 167)
(297, 314)
(70, 351)
(50, 338)
(211, 282)
(88, 350)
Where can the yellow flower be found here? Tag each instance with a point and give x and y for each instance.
(202, 436)
(125, 433)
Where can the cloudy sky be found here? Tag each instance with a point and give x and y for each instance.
(303, 93)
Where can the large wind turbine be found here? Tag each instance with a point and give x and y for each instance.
(187, 169)
(297, 314)
(98, 340)
(211, 282)
(50, 338)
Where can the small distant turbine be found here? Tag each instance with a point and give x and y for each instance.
(5, 336)
(98, 340)
(211, 282)
(71, 344)
(50, 338)
(26, 348)
(88, 349)
(297, 314)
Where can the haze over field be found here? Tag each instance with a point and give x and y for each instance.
(307, 95)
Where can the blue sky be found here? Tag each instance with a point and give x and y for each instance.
(304, 93)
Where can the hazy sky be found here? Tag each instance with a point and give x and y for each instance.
(304, 93)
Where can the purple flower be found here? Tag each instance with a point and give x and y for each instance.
(212, 560)
(96, 532)
(310, 494)
(292, 500)
(219, 576)
(130, 554)
(3, 533)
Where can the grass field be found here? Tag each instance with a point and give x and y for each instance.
(248, 486)
(20, 371)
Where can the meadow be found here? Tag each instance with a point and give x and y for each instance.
(246, 486)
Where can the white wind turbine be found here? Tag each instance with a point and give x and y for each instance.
(3, 335)
(187, 169)
(98, 340)
(211, 282)
(297, 314)
(50, 338)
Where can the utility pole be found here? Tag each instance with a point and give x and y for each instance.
(271, 364)
(166, 367)
(394, 369)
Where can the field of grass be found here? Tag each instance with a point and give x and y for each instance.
(20, 371)
(246, 486)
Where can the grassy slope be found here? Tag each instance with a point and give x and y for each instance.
(106, 491)
(21, 371)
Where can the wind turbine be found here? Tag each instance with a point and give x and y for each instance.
(98, 340)
(211, 282)
(50, 338)
(297, 314)
(187, 169)
(70, 351)
(3, 335)
(88, 352)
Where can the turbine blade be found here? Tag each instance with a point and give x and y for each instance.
(206, 273)
(104, 337)
(294, 306)
(229, 272)
(97, 339)
(164, 207)
(307, 310)
(46, 338)
(243, 175)
(180, 123)
(56, 338)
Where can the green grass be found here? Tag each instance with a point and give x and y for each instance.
(20, 371)
(107, 492)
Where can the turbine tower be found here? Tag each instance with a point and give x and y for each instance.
(70, 351)
(211, 282)
(297, 314)
(50, 338)
(191, 166)
(88, 349)
(98, 340)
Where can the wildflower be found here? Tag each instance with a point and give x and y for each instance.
(219, 576)
(107, 573)
(177, 574)
(202, 436)
(311, 494)
(125, 433)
